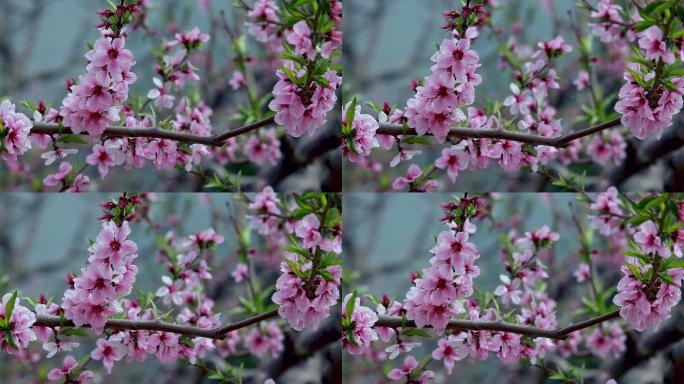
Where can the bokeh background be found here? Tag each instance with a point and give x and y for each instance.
(42, 43)
(388, 236)
(388, 43)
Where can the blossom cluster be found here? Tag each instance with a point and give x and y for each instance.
(652, 93)
(15, 325)
(646, 106)
(436, 106)
(91, 104)
(14, 132)
(95, 295)
(310, 272)
(648, 291)
(307, 83)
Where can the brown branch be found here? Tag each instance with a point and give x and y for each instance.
(468, 133)
(214, 140)
(476, 325)
(154, 325)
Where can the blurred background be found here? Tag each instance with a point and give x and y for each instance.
(388, 43)
(45, 236)
(42, 43)
(388, 236)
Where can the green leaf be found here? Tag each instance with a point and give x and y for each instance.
(350, 305)
(351, 111)
(10, 307)
(10, 339)
(74, 332)
(72, 139)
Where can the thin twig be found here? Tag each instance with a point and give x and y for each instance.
(159, 133)
(154, 325)
(468, 133)
(476, 325)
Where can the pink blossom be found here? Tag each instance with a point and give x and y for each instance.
(404, 155)
(583, 80)
(171, 291)
(67, 366)
(299, 308)
(508, 291)
(607, 339)
(108, 353)
(363, 319)
(62, 174)
(262, 16)
(401, 347)
(294, 111)
(110, 56)
(58, 154)
(264, 148)
(192, 39)
(237, 81)
(165, 345)
(583, 273)
(607, 15)
(19, 323)
(265, 338)
(454, 160)
(162, 152)
(105, 157)
(414, 172)
(161, 95)
(649, 240)
(240, 273)
(307, 230)
(640, 311)
(555, 47)
(448, 350)
(112, 244)
(14, 131)
(507, 345)
(651, 42)
(363, 129)
(266, 201)
(607, 146)
(300, 37)
(410, 363)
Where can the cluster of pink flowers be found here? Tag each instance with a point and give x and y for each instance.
(14, 132)
(608, 21)
(69, 365)
(608, 209)
(305, 290)
(647, 104)
(528, 103)
(94, 295)
(92, 103)
(645, 303)
(407, 369)
(436, 106)
(263, 24)
(607, 339)
(363, 129)
(267, 338)
(646, 112)
(300, 306)
(17, 326)
(297, 111)
(263, 148)
(606, 147)
(437, 296)
(302, 99)
(363, 320)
